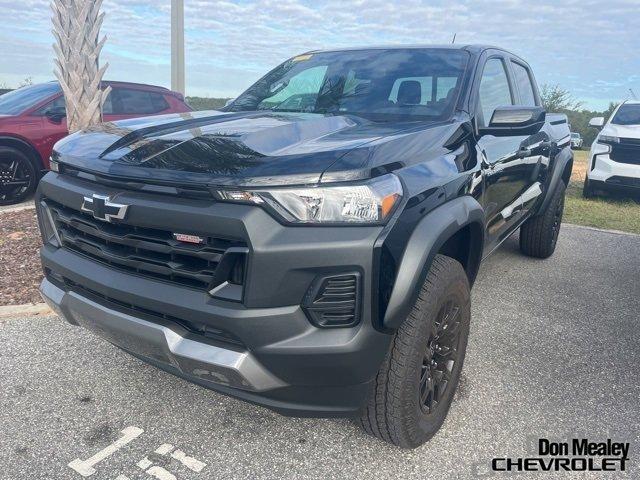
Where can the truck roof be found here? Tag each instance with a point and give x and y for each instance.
(472, 47)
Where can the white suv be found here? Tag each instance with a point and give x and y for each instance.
(614, 160)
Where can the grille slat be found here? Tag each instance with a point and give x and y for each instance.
(144, 251)
(627, 151)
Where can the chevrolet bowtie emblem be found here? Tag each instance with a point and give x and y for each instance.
(102, 208)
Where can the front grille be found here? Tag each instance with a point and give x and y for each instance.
(627, 151)
(334, 301)
(144, 251)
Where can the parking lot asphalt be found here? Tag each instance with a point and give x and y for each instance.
(554, 353)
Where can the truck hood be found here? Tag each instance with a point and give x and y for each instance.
(622, 131)
(222, 148)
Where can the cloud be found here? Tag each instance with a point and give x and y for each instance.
(230, 44)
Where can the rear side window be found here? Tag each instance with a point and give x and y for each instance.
(494, 89)
(107, 107)
(137, 102)
(525, 87)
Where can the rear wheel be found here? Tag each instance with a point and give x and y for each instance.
(18, 176)
(415, 385)
(539, 234)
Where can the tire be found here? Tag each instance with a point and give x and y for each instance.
(539, 234)
(587, 189)
(398, 411)
(18, 176)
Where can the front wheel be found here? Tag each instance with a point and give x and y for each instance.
(587, 189)
(18, 176)
(415, 385)
(539, 234)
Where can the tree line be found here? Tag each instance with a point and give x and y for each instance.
(558, 100)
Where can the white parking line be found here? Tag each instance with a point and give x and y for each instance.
(160, 473)
(85, 467)
(145, 463)
(189, 462)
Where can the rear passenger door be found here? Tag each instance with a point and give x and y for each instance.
(536, 162)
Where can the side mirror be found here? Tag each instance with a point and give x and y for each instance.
(229, 102)
(596, 122)
(515, 120)
(56, 114)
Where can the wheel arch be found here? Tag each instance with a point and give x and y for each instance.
(25, 147)
(455, 229)
(561, 172)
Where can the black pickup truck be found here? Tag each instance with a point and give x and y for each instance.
(311, 247)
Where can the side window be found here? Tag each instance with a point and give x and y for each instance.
(107, 108)
(525, 88)
(137, 102)
(494, 89)
(58, 102)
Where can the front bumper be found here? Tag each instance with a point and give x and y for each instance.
(608, 173)
(294, 367)
(162, 342)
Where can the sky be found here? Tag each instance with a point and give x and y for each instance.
(588, 48)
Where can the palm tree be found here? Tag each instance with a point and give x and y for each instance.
(76, 28)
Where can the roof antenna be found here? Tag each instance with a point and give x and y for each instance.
(454, 38)
(635, 97)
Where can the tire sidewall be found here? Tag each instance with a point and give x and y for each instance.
(34, 175)
(420, 426)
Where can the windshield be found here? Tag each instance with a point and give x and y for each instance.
(627, 114)
(17, 101)
(373, 83)
(575, 135)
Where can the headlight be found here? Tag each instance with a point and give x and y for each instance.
(608, 139)
(368, 203)
(54, 166)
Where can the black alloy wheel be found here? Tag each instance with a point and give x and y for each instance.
(440, 357)
(18, 176)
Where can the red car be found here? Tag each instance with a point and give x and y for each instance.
(32, 120)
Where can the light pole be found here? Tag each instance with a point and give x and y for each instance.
(177, 46)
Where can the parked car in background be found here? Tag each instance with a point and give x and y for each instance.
(576, 140)
(614, 160)
(32, 120)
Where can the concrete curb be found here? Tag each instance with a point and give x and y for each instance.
(615, 232)
(28, 310)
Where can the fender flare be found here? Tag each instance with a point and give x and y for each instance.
(429, 235)
(564, 157)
